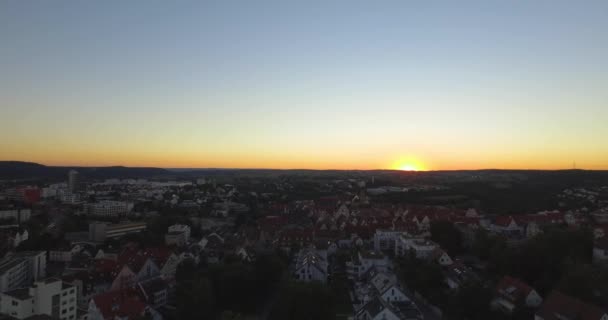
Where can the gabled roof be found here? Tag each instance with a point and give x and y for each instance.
(504, 221)
(383, 282)
(124, 303)
(375, 306)
(150, 287)
(558, 306)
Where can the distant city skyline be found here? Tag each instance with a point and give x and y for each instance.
(310, 85)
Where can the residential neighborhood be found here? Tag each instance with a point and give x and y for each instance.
(251, 246)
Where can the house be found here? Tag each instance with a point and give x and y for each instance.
(311, 265)
(377, 309)
(600, 250)
(506, 225)
(15, 237)
(559, 306)
(512, 293)
(458, 273)
(441, 257)
(132, 267)
(364, 261)
(117, 305)
(154, 292)
(246, 254)
(387, 288)
(50, 297)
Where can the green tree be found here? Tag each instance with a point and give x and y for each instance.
(471, 301)
(304, 301)
(447, 236)
(193, 293)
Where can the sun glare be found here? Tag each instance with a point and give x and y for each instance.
(408, 164)
(408, 167)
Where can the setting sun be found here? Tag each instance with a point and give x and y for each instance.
(408, 164)
(408, 167)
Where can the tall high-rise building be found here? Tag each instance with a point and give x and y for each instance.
(73, 181)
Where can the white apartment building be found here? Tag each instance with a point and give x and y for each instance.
(421, 247)
(366, 260)
(50, 297)
(386, 239)
(177, 234)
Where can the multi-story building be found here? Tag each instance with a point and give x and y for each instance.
(178, 234)
(13, 274)
(109, 208)
(50, 297)
(27, 194)
(22, 269)
(17, 214)
(73, 182)
(386, 239)
(366, 260)
(99, 232)
(421, 247)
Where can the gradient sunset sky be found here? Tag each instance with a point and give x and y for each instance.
(305, 84)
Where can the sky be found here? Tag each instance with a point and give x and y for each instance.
(427, 85)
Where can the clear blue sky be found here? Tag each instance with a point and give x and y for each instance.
(328, 84)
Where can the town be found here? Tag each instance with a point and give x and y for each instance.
(305, 245)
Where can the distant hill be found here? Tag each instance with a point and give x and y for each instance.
(17, 170)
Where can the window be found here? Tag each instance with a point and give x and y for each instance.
(15, 303)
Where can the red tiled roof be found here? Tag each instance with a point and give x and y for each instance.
(503, 221)
(558, 306)
(125, 303)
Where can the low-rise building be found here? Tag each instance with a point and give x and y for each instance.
(311, 265)
(117, 305)
(600, 250)
(512, 293)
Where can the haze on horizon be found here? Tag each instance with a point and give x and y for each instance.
(315, 84)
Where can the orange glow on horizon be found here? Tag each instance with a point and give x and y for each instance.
(409, 164)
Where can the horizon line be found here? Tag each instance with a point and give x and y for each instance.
(302, 169)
